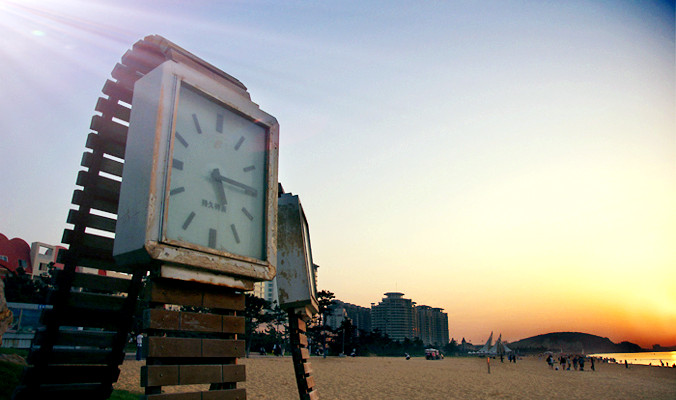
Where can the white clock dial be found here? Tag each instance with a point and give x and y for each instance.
(217, 178)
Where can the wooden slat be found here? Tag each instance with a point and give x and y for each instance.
(307, 367)
(182, 293)
(228, 394)
(88, 338)
(82, 317)
(71, 374)
(195, 322)
(168, 347)
(144, 58)
(81, 197)
(313, 395)
(106, 164)
(303, 340)
(310, 382)
(101, 243)
(101, 282)
(71, 356)
(113, 109)
(98, 143)
(103, 187)
(301, 325)
(96, 301)
(125, 75)
(109, 129)
(115, 91)
(92, 221)
(169, 375)
(304, 354)
(86, 391)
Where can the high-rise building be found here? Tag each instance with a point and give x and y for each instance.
(394, 316)
(432, 325)
(359, 316)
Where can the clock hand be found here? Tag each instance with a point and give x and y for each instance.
(215, 175)
(247, 189)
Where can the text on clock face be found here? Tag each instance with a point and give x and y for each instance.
(214, 206)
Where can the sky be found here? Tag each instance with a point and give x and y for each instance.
(513, 162)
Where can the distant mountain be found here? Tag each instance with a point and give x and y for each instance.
(573, 342)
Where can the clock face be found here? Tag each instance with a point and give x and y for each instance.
(217, 178)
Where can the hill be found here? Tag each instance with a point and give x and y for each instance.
(572, 342)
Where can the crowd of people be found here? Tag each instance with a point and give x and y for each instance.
(566, 362)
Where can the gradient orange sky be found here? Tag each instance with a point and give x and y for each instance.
(512, 162)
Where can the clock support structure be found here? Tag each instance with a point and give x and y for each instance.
(192, 328)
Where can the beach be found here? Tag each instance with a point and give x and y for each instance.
(272, 378)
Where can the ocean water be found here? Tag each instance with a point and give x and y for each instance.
(647, 358)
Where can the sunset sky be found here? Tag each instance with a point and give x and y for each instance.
(513, 162)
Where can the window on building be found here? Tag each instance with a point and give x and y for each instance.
(23, 263)
(3, 258)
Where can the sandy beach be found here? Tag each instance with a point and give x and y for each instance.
(270, 378)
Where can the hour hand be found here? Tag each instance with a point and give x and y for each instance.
(216, 175)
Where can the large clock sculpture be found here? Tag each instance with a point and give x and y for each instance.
(199, 190)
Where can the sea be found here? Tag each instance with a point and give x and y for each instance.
(654, 358)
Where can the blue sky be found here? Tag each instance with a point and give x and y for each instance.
(513, 162)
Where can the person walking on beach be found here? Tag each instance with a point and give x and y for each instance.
(592, 364)
(139, 346)
(550, 361)
(581, 361)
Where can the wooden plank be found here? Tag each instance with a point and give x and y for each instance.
(143, 58)
(92, 221)
(233, 373)
(101, 282)
(108, 128)
(156, 318)
(98, 143)
(174, 396)
(85, 338)
(96, 301)
(106, 165)
(102, 186)
(81, 197)
(313, 395)
(168, 291)
(159, 375)
(201, 322)
(302, 339)
(169, 347)
(304, 354)
(71, 374)
(310, 382)
(71, 356)
(227, 394)
(233, 324)
(112, 108)
(115, 91)
(223, 348)
(301, 325)
(173, 347)
(125, 75)
(307, 367)
(217, 297)
(82, 317)
(195, 374)
(103, 244)
(87, 391)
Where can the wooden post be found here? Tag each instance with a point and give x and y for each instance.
(301, 357)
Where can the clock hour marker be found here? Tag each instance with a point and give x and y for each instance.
(249, 168)
(178, 164)
(212, 238)
(181, 139)
(234, 232)
(219, 123)
(197, 123)
(247, 213)
(177, 191)
(239, 143)
(188, 220)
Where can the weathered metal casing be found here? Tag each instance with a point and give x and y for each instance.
(296, 280)
(138, 235)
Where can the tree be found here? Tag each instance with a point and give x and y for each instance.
(255, 314)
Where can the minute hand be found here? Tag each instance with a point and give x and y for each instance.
(247, 189)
